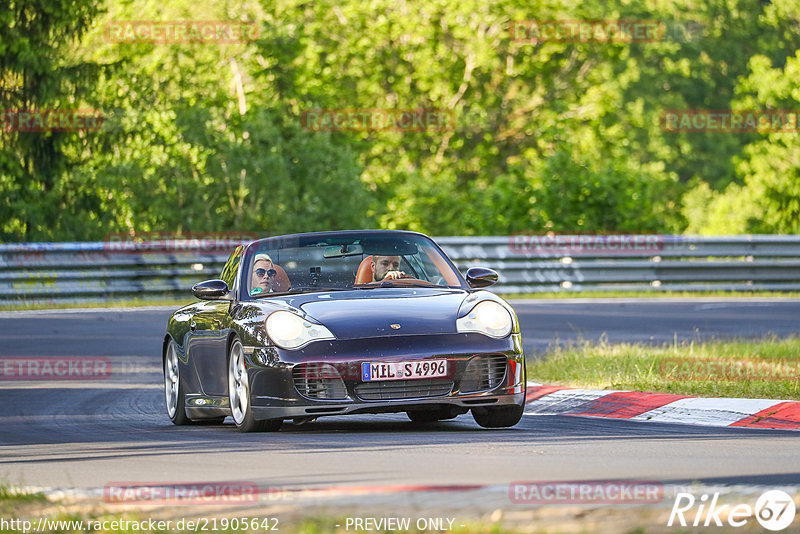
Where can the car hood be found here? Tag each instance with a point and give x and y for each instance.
(371, 313)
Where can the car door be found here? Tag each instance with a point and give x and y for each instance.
(209, 346)
(210, 329)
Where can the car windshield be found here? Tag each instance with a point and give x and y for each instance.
(340, 261)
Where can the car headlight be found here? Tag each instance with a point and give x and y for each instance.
(290, 331)
(487, 317)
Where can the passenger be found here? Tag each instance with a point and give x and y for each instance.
(264, 279)
(386, 268)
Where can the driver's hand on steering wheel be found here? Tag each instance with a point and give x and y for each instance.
(395, 275)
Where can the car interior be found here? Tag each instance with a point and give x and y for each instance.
(348, 265)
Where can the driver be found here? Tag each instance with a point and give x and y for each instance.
(264, 278)
(386, 268)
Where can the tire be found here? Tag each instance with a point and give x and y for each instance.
(498, 416)
(431, 416)
(175, 395)
(239, 395)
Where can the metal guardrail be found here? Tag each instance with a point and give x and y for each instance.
(82, 272)
(532, 264)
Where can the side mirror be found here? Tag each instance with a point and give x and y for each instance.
(481, 277)
(210, 290)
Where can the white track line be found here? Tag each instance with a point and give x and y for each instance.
(563, 401)
(708, 412)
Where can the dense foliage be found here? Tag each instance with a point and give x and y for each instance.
(562, 136)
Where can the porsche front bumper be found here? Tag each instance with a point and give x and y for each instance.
(276, 392)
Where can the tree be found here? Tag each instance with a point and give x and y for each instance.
(38, 72)
(768, 201)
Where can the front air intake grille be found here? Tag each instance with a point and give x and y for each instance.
(404, 389)
(484, 373)
(319, 381)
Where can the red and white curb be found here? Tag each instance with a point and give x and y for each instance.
(663, 407)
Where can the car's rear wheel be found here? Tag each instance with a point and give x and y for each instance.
(173, 387)
(239, 394)
(498, 416)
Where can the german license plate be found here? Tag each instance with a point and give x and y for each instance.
(373, 371)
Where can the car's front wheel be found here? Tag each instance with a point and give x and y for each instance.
(173, 387)
(239, 394)
(498, 416)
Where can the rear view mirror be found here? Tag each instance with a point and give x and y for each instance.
(339, 251)
(389, 247)
(481, 277)
(210, 290)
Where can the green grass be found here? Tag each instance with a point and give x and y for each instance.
(11, 495)
(762, 368)
(13, 502)
(649, 294)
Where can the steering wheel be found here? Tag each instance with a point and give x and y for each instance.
(399, 282)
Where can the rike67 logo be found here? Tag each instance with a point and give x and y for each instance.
(774, 510)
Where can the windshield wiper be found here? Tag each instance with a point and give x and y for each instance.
(396, 283)
(299, 290)
(401, 283)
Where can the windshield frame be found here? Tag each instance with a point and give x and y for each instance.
(251, 249)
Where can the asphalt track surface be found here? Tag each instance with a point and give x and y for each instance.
(90, 434)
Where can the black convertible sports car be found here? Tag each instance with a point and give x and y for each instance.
(337, 323)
